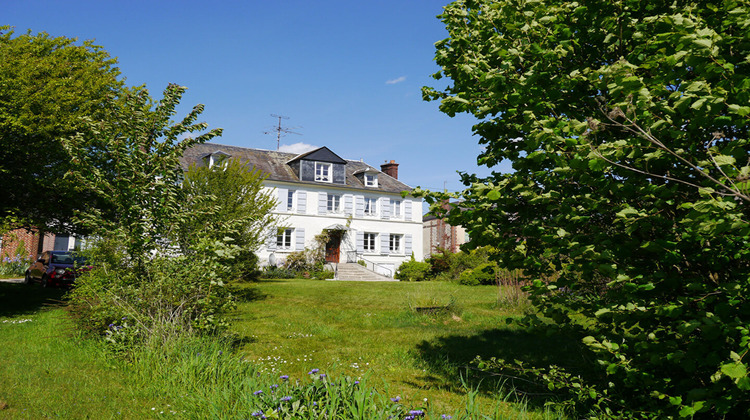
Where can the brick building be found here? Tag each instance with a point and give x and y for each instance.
(33, 244)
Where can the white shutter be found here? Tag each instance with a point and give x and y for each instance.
(407, 210)
(322, 203)
(301, 202)
(360, 242)
(385, 243)
(271, 240)
(283, 197)
(386, 206)
(299, 239)
(359, 210)
(407, 244)
(348, 204)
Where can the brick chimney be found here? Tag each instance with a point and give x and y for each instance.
(390, 168)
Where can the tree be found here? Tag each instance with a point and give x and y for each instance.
(228, 201)
(46, 86)
(627, 126)
(129, 161)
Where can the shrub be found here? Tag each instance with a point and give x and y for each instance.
(273, 272)
(413, 271)
(177, 294)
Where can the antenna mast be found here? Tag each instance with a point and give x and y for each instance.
(279, 129)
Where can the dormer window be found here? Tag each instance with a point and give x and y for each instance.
(368, 177)
(323, 172)
(216, 158)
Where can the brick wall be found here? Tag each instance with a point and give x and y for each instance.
(11, 241)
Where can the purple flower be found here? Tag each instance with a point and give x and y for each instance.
(416, 412)
(286, 398)
(274, 386)
(356, 382)
(322, 375)
(314, 371)
(446, 417)
(409, 418)
(284, 377)
(257, 392)
(258, 414)
(397, 399)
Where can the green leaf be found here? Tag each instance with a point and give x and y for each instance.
(734, 370)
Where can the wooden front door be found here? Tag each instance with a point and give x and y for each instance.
(333, 247)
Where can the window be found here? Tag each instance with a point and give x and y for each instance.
(334, 203)
(284, 239)
(396, 208)
(395, 244)
(371, 180)
(369, 242)
(290, 200)
(371, 206)
(323, 172)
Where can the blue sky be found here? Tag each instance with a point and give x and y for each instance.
(347, 73)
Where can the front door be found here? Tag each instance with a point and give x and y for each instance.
(333, 247)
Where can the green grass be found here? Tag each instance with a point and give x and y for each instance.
(45, 372)
(347, 330)
(351, 328)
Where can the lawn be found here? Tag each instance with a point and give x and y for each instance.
(367, 330)
(353, 328)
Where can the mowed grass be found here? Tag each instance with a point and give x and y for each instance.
(46, 373)
(366, 330)
(358, 328)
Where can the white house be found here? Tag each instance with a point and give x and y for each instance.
(361, 207)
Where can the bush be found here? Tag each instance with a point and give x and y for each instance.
(413, 271)
(177, 295)
(322, 275)
(484, 274)
(273, 272)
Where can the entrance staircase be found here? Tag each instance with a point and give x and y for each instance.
(355, 272)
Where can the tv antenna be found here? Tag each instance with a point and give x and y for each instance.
(279, 129)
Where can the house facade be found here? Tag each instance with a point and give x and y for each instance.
(361, 208)
(439, 236)
(30, 243)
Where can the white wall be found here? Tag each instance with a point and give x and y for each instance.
(314, 223)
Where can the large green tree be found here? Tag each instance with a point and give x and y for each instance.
(228, 200)
(626, 123)
(130, 163)
(47, 84)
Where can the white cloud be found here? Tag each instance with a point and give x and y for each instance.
(297, 148)
(396, 80)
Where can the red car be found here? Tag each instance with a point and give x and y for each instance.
(55, 268)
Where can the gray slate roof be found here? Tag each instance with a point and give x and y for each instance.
(275, 165)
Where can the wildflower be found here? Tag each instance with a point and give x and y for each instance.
(274, 386)
(397, 399)
(284, 377)
(287, 398)
(258, 414)
(356, 382)
(416, 413)
(258, 392)
(322, 375)
(314, 371)
(446, 417)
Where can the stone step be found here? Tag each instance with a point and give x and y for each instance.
(355, 272)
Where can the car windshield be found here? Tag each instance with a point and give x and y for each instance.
(79, 260)
(62, 259)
